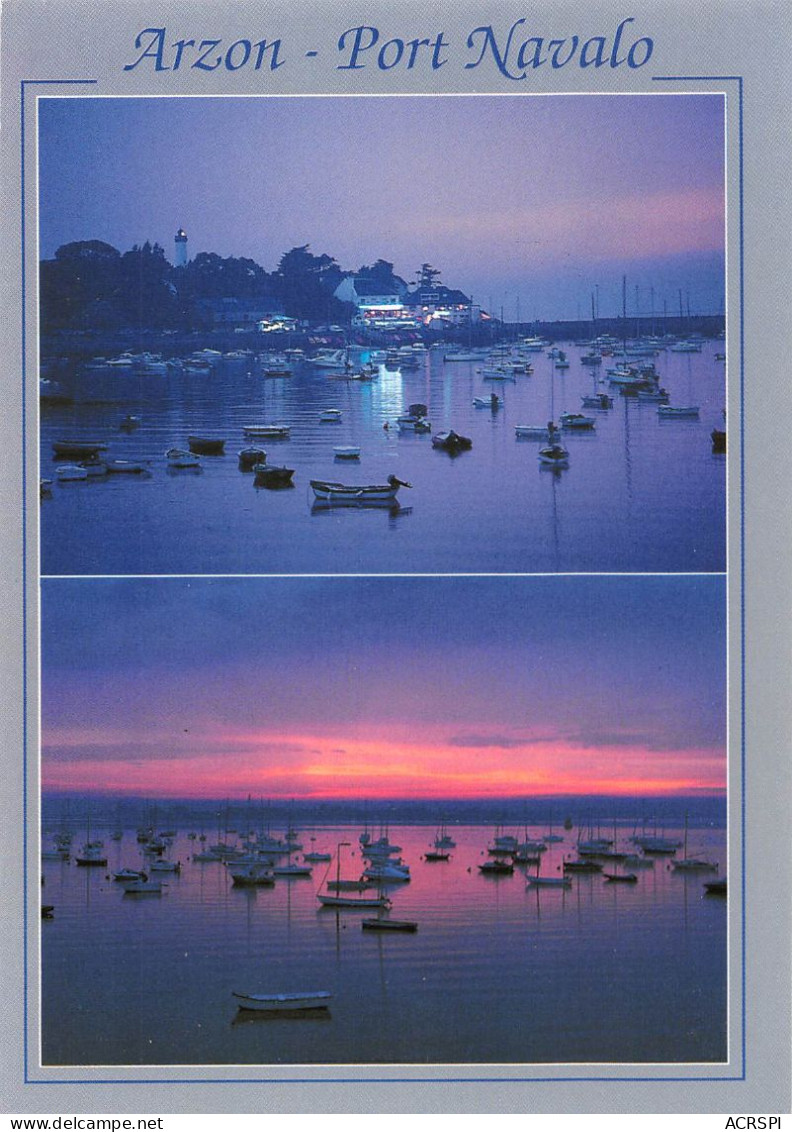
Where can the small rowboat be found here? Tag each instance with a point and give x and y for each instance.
(385, 924)
(68, 472)
(670, 412)
(491, 402)
(273, 430)
(346, 452)
(554, 456)
(621, 878)
(294, 1000)
(549, 882)
(272, 475)
(330, 415)
(128, 467)
(179, 458)
(206, 445)
(249, 457)
(78, 449)
(142, 886)
(340, 492)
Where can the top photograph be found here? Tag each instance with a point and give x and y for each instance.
(458, 334)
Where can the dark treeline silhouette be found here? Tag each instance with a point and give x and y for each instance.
(93, 286)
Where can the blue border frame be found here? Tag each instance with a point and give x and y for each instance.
(362, 1080)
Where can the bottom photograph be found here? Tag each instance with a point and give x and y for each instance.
(370, 821)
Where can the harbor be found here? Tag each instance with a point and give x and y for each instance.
(641, 487)
(497, 970)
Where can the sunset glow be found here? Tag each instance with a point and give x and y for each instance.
(472, 706)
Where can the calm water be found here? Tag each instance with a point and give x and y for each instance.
(495, 973)
(640, 494)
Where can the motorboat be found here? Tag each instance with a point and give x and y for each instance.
(452, 442)
(339, 492)
(621, 878)
(549, 882)
(491, 402)
(597, 401)
(346, 452)
(329, 416)
(577, 420)
(531, 432)
(128, 874)
(291, 1000)
(411, 422)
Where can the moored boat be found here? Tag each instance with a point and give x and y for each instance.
(250, 456)
(180, 458)
(272, 475)
(452, 442)
(386, 924)
(67, 473)
(276, 431)
(672, 412)
(78, 449)
(206, 445)
(291, 1000)
(339, 492)
(577, 420)
(554, 456)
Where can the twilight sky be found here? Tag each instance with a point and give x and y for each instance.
(529, 202)
(384, 687)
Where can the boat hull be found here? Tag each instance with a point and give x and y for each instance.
(313, 1000)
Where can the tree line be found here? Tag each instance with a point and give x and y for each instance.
(91, 285)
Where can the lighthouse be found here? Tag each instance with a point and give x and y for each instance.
(180, 242)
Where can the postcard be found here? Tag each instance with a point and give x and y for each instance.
(393, 651)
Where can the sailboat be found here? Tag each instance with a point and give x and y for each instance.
(334, 899)
(553, 454)
(692, 864)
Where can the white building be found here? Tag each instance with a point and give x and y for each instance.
(180, 249)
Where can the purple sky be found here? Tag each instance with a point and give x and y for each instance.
(398, 686)
(536, 200)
